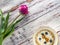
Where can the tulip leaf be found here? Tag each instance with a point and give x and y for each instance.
(8, 33)
(6, 21)
(2, 22)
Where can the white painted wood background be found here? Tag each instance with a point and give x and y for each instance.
(41, 13)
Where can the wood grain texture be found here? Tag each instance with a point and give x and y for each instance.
(41, 12)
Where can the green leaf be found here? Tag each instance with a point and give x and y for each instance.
(11, 29)
(6, 21)
(1, 31)
(2, 22)
(1, 18)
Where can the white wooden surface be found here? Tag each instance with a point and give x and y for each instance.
(41, 12)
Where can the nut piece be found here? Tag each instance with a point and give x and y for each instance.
(28, 0)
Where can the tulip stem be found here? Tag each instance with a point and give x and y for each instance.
(15, 19)
(1, 39)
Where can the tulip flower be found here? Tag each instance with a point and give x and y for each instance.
(23, 9)
(6, 28)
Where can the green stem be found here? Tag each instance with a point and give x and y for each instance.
(1, 40)
(15, 19)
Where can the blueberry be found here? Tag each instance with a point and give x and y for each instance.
(39, 38)
(46, 33)
(50, 41)
(44, 42)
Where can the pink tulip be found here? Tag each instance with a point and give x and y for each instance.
(23, 9)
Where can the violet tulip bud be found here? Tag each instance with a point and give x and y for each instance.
(23, 9)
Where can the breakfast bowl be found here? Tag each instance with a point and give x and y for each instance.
(45, 36)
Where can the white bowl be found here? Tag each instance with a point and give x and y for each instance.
(51, 34)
